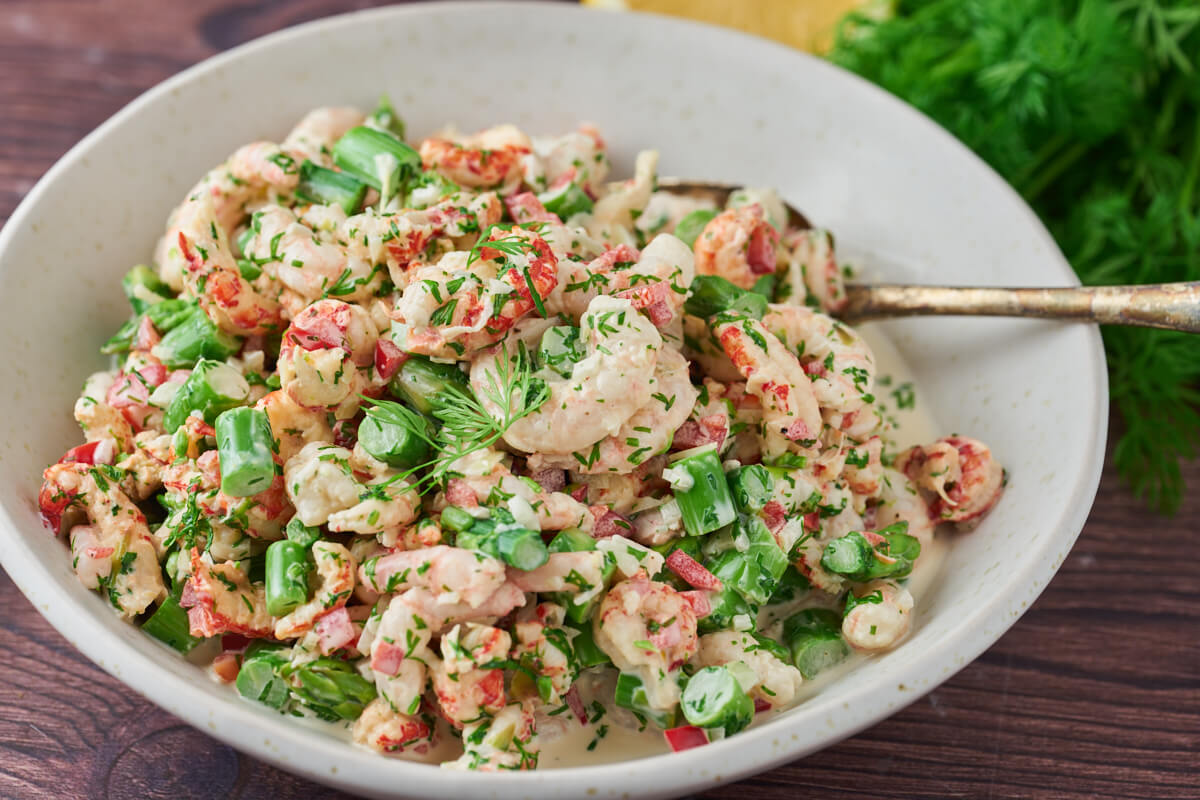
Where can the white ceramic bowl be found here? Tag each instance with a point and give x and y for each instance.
(900, 193)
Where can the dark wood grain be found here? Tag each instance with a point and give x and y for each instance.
(1094, 693)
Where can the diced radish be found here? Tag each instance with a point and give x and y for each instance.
(774, 515)
(685, 737)
(335, 631)
(386, 658)
(761, 705)
(388, 358)
(692, 571)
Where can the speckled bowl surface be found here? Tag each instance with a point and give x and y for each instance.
(904, 198)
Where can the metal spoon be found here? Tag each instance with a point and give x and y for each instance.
(1173, 306)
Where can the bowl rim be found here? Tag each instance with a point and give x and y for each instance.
(274, 739)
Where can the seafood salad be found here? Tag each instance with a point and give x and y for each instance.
(465, 449)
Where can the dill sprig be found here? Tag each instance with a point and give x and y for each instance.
(511, 245)
(466, 424)
(1090, 109)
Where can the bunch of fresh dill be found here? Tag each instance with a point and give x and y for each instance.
(1091, 109)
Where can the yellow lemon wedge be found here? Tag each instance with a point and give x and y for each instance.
(806, 24)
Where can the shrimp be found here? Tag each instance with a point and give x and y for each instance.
(490, 158)
(308, 263)
(604, 390)
(579, 573)
(397, 643)
(457, 306)
(335, 582)
(578, 157)
(812, 273)
(325, 357)
(117, 533)
(451, 574)
(645, 434)
(648, 628)
(615, 210)
(131, 388)
(656, 280)
(316, 133)
(863, 468)
(386, 730)
(900, 501)
(737, 245)
(959, 473)
(880, 618)
(220, 599)
(211, 275)
(554, 511)
(544, 647)
(323, 483)
(293, 425)
(838, 361)
(775, 682)
(791, 417)
(97, 419)
(466, 688)
(146, 465)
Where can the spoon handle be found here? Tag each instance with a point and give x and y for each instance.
(1173, 306)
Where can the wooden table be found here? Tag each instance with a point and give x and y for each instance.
(1094, 693)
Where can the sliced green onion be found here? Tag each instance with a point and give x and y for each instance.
(712, 294)
(713, 698)
(705, 504)
(144, 288)
(566, 201)
(521, 548)
(304, 535)
(376, 158)
(170, 314)
(194, 337)
(455, 519)
(587, 652)
(122, 340)
(246, 449)
(856, 558)
(328, 187)
(169, 624)
(631, 693)
(259, 678)
(331, 688)
(213, 387)
(814, 637)
(571, 540)
(690, 226)
(286, 577)
(395, 445)
(420, 382)
(751, 487)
